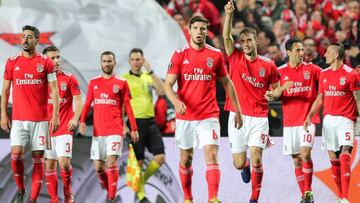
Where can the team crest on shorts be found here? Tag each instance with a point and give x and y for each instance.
(115, 89)
(306, 75)
(342, 80)
(262, 72)
(40, 68)
(210, 62)
(63, 86)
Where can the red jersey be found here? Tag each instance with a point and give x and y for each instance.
(68, 87)
(297, 99)
(251, 80)
(337, 88)
(197, 71)
(108, 96)
(29, 86)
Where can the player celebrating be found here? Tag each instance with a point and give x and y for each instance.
(296, 104)
(109, 94)
(339, 93)
(62, 140)
(30, 73)
(252, 76)
(196, 67)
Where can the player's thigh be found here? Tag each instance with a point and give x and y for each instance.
(114, 145)
(38, 133)
(19, 133)
(345, 132)
(98, 148)
(154, 141)
(291, 141)
(51, 153)
(208, 132)
(237, 138)
(185, 134)
(64, 144)
(258, 135)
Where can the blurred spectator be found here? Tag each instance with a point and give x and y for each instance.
(352, 46)
(281, 30)
(265, 38)
(333, 9)
(275, 54)
(315, 30)
(353, 9)
(311, 54)
(209, 11)
(179, 18)
(300, 8)
(273, 8)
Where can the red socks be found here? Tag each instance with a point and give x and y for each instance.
(17, 166)
(66, 176)
(345, 174)
(300, 179)
(307, 168)
(103, 178)
(213, 180)
(256, 179)
(113, 176)
(37, 176)
(336, 171)
(185, 177)
(52, 184)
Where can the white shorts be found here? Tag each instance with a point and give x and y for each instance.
(253, 133)
(61, 147)
(296, 137)
(337, 131)
(23, 132)
(104, 146)
(189, 134)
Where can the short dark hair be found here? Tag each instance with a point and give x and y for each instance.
(136, 50)
(32, 28)
(199, 19)
(290, 43)
(340, 50)
(270, 35)
(248, 30)
(50, 48)
(107, 53)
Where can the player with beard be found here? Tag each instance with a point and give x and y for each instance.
(109, 95)
(62, 139)
(339, 94)
(195, 68)
(252, 76)
(31, 74)
(296, 103)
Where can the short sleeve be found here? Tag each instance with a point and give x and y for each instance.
(126, 94)
(221, 69)
(275, 75)
(174, 65)
(321, 83)
(354, 81)
(8, 74)
(74, 86)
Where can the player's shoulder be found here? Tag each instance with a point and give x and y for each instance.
(183, 49)
(66, 73)
(326, 70)
(119, 78)
(282, 67)
(265, 59)
(348, 69)
(211, 48)
(96, 78)
(15, 57)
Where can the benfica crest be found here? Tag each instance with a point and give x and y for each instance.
(63, 86)
(306, 75)
(262, 72)
(40, 68)
(342, 80)
(115, 89)
(210, 62)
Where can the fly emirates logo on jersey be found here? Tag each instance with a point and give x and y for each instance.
(252, 80)
(104, 99)
(198, 75)
(29, 80)
(298, 87)
(333, 92)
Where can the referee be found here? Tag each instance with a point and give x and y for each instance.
(141, 83)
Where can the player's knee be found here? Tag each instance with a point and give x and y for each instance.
(112, 161)
(239, 165)
(50, 165)
(65, 165)
(160, 159)
(38, 153)
(346, 149)
(186, 160)
(297, 161)
(256, 161)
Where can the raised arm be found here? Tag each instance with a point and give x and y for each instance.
(228, 40)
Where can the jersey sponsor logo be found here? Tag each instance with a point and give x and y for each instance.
(115, 89)
(40, 68)
(209, 62)
(186, 62)
(104, 99)
(17, 68)
(342, 80)
(333, 92)
(29, 80)
(262, 72)
(306, 75)
(198, 75)
(252, 80)
(63, 86)
(298, 87)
